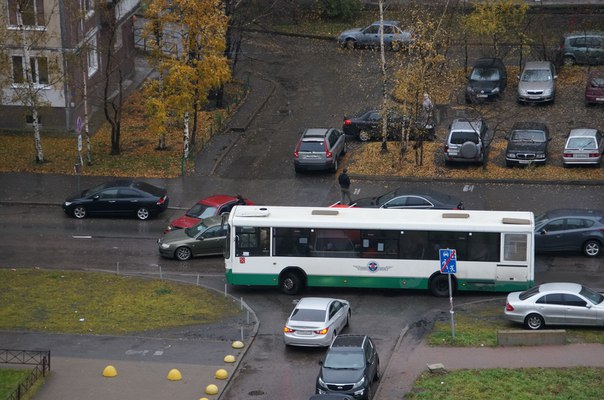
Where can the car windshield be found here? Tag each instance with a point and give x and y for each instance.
(528, 136)
(597, 81)
(308, 315)
(196, 229)
(540, 218)
(485, 74)
(95, 189)
(344, 360)
(536, 75)
(594, 297)
(385, 198)
(581, 143)
(201, 211)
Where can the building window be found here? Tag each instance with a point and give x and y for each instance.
(39, 70)
(92, 55)
(32, 12)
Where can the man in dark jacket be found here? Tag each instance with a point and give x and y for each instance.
(344, 181)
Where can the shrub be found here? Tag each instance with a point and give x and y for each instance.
(346, 10)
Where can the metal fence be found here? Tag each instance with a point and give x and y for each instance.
(40, 360)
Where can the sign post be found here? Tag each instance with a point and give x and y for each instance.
(448, 265)
(79, 126)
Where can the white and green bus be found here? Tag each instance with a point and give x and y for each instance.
(294, 247)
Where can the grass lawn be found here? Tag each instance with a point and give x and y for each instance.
(9, 379)
(517, 384)
(97, 303)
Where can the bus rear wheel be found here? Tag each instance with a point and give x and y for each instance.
(439, 285)
(291, 282)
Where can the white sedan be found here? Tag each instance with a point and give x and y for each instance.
(556, 304)
(316, 321)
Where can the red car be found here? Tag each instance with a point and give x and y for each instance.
(208, 207)
(594, 90)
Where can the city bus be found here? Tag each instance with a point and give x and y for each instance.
(296, 247)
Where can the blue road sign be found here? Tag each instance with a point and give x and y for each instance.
(448, 261)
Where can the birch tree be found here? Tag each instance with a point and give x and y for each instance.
(196, 33)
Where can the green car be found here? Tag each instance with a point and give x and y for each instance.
(203, 239)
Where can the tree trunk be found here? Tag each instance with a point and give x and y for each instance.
(384, 92)
(185, 150)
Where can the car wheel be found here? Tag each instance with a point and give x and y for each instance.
(345, 149)
(377, 372)
(347, 323)
(335, 164)
(364, 136)
(350, 44)
(591, 248)
(534, 321)
(568, 61)
(290, 283)
(142, 213)
(182, 253)
(79, 212)
(439, 285)
(396, 46)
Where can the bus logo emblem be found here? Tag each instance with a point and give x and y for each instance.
(372, 265)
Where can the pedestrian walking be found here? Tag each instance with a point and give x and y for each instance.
(344, 181)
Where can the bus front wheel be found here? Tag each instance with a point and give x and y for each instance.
(439, 285)
(291, 283)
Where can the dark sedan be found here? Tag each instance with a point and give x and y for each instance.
(570, 230)
(405, 198)
(118, 198)
(367, 126)
(527, 144)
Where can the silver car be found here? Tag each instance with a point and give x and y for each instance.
(537, 83)
(319, 149)
(583, 146)
(206, 238)
(316, 321)
(395, 38)
(556, 304)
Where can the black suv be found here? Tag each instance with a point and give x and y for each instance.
(350, 367)
(487, 80)
(368, 125)
(527, 144)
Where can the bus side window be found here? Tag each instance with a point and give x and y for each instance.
(252, 241)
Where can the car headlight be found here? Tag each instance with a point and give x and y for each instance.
(540, 155)
(522, 92)
(469, 89)
(547, 92)
(496, 90)
(511, 155)
(359, 383)
(67, 203)
(164, 245)
(322, 383)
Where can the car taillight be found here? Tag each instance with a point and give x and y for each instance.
(288, 330)
(567, 155)
(322, 331)
(297, 151)
(328, 153)
(508, 307)
(347, 122)
(594, 154)
(446, 148)
(161, 201)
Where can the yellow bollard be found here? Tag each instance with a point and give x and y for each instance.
(174, 375)
(221, 374)
(229, 359)
(211, 389)
(237, 344)
(109, 371)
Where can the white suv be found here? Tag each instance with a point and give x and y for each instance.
(467, 141)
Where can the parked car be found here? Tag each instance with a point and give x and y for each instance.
(319, 149)
(583, 146)
(418, 199)
(316, 321)
(467, 141)
(210, 206)
(487, 80)
(570, 230)
(395, 38)
(527, 144)
(206, 238)
(560, 303)
(118, 198)
(537, 83)
(331, 396)
(351, 366)
(368, 125)
(594, 89)
(582, 48)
